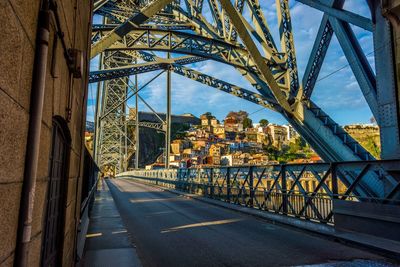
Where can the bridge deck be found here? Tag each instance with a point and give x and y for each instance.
(170, 230)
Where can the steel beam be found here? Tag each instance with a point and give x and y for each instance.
(287, 44)
(358, 62)
(155, 64)
(262, 67)
(168, 119)
(318, 52)
(119, 32)
(137, 129)
(340, 14)
(387, 92)
(225, 87)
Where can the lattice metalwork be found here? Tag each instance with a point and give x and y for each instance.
(228, 34)
(305, 191)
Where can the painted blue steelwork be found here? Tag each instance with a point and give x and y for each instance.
(217, 40)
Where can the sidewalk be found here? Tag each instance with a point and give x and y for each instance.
(107, 240)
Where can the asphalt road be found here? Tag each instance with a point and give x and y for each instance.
(171, 230)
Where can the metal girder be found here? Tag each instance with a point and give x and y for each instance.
(200, 25)
(224, 86)
(260, 23)
(236, 41)
(151, 125)
(317, 57)
(108, 74)
(185, 43)
(232, 34)
(388, 94)
(111, 136)
(261, 65)
(217, 16)
(341, 14)
(318, 52)
(191, 74)
(119, 102)
(102, 30)
(287, 44)
(98, 4)
(358, 62)
(124, 28)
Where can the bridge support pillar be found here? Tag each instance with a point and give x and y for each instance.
(137, 129)
(386, 85)
(168, 119)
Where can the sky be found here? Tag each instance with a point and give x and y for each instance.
(336, 91)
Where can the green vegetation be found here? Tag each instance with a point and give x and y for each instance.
(371, 146)
(264, 122)
(247, 123)
(298, 149)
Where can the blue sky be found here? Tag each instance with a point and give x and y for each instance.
(338, 94)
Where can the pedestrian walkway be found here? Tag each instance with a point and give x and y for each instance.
(107, 242)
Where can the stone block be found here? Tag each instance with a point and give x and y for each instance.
(74, 163)
(71, 193)
(40, 206)
(25, 79)
(35, 250)
(48, 100)
(69, 214)
(13, 136)
(69, 242)
(64, 86)
(11, 47)
(27, 12)
(44, 152)
(10, 195)
(67, 17)
(8, 262)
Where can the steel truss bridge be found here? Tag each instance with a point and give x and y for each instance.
(133, 30)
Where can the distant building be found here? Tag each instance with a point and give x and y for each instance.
(213, 160)
(291, 133)
(214, 122)
(232, 124)
(219, 131)
(207, 119)
(251, 134)
(278, 134)
(258, 159)
(261, 138)
(229, 135)
(175, 157)
(176, 147)
(202, 134)
(216, 150)
(233, 159)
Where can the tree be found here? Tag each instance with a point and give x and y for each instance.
(208, 115)
(247, 123)
(239, 116)
(264, 122)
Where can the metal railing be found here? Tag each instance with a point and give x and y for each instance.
(304, 191)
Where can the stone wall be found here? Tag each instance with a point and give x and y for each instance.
(18, 22)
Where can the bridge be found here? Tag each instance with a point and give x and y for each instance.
(67, 206)
(350, 186)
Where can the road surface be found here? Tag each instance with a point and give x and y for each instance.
(171, 230)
